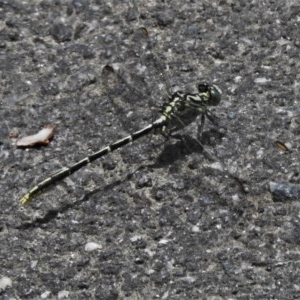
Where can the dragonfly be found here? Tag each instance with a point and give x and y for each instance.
(179, 109)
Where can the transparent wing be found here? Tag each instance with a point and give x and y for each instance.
(137, 86)
(155, 65)
(128, 101)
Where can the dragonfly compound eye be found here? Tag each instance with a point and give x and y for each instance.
(215, 95)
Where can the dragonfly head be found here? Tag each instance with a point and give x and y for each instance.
(211, 92)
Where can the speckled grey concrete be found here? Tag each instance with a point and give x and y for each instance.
(169, 223)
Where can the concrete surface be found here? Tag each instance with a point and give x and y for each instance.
(166, 220)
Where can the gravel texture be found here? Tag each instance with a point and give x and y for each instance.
(157, 219)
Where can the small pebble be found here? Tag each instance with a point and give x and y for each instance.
(91, 246)
(282, 192)
(5, 282)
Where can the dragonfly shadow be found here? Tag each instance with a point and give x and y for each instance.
(187, 145)
(53, 213)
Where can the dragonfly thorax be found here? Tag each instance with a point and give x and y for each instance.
(183, 108)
